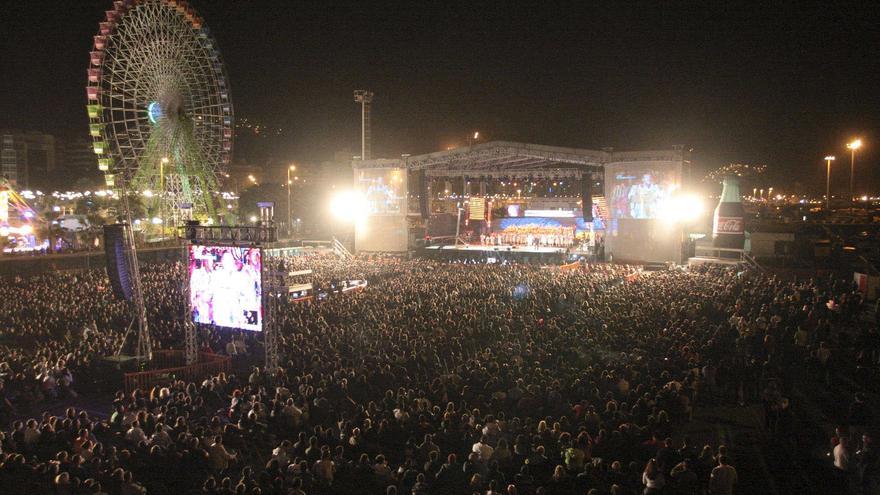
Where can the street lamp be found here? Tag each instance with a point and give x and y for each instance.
(164, 161)
(289, 187)
(853, 146)
(828, 160)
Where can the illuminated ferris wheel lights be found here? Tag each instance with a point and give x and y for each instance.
(154, 112)
(157, 88)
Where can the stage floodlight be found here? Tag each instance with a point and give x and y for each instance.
(349, 206)
(685, 208)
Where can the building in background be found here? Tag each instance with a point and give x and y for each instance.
(27, 159)
(77, 165)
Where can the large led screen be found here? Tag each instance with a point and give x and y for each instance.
(225, 287)
(641, 192)
(383, 190)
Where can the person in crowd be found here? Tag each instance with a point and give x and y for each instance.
(723, 477)
(652, 478)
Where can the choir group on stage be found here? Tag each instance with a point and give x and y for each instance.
(563, 238)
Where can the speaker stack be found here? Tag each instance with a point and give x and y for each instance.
(116, 251)
(587, 197)
(423, 193)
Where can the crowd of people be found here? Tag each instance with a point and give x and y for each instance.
(436, 379)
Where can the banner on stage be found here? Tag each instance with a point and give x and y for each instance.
(477, 208)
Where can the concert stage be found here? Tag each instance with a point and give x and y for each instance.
(498, 254)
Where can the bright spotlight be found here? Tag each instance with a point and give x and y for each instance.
(26, 230)
(348, 206)
(684, 208)
(156, 220)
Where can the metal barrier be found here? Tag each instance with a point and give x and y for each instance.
(341, 250)
(170, 366)
(316, 243)
(716, 254)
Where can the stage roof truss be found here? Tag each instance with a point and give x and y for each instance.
(514, 174)
(498, 159)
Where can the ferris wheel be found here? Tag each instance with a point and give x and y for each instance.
(159, 107)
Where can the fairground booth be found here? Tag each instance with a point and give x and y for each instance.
(482, 201)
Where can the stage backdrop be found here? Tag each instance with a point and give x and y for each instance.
(384, 228)
(637, 194)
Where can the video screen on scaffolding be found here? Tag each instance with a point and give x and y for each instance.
(225, 286)
(383, 190)
(641, 192)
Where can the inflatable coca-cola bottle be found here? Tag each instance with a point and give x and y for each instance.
(728, 224)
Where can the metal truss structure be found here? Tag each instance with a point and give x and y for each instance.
(273, 281)
(144, 350)
(190, 332)
(230, 235)
(274, 297)
(500, 159)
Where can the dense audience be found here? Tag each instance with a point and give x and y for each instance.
(435, 379)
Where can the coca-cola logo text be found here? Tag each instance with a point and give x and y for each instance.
(729, 225)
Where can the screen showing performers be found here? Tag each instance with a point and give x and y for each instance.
(383, 190)
(641, 193)
(225, 287)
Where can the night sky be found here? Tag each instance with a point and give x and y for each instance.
(782, 87)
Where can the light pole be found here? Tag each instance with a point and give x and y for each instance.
(828, 160)
(365, 98)
(472, 138)
(853, 146)
(291, 168)
(162, 164)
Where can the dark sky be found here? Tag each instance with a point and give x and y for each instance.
(782, 86)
